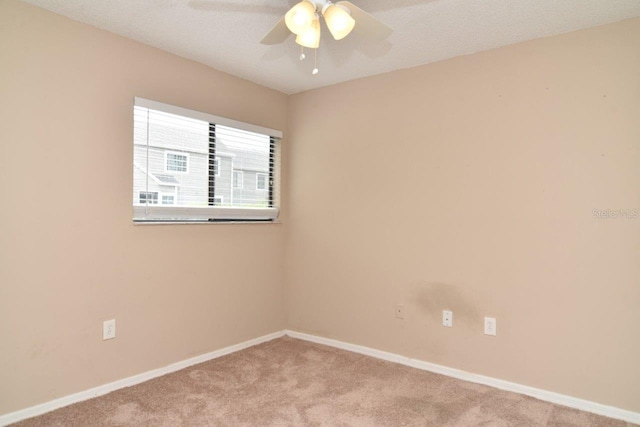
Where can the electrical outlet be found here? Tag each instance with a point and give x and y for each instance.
(399, 311)
(490, 326)
(109, 329)
(447, 318)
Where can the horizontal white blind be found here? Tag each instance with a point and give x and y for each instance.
(192, 166)
(209, 118)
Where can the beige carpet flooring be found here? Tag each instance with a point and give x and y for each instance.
(288, 382)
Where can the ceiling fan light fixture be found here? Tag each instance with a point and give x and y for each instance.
(303, 20)
(300, 17)
(311, 37)
(338, 19)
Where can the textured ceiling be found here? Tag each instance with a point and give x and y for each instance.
(226, 34)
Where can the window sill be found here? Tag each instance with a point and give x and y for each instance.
(202, 222)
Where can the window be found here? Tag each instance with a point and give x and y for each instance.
(188, 166)
(176, 162)
(237, 179)
(148, 197)
(261, 181)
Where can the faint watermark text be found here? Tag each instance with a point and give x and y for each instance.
(616, 213)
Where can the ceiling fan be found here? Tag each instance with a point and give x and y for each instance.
(341, 19)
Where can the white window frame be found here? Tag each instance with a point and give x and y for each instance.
(166, 162)
(158, 213)
(217, 164)
(266, 181)
(241, 180)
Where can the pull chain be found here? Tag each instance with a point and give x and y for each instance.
(315, 63)
(302, 55)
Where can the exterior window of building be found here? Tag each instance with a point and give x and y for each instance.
(191, 166)
(176, 162)
(261, 181)
(237, 179)
(150, 197)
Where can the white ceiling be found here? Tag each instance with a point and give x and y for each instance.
(226, 34)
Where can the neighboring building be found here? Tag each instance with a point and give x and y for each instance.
(173, 168)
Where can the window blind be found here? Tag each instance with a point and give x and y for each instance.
(193, 166)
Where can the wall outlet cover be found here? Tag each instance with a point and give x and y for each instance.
(490, 326)
(109, 329)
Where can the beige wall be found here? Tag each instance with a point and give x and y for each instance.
(469, 185)
(70, 256)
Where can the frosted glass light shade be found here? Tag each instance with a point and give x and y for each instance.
(339, 21)
(300, 17)
(311, 37)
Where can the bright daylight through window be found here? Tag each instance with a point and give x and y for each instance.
(192, 166)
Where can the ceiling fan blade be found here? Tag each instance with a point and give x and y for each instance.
(367, 25)
(278, 33)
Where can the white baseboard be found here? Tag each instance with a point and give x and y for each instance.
(548, 396)
(33, 411)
